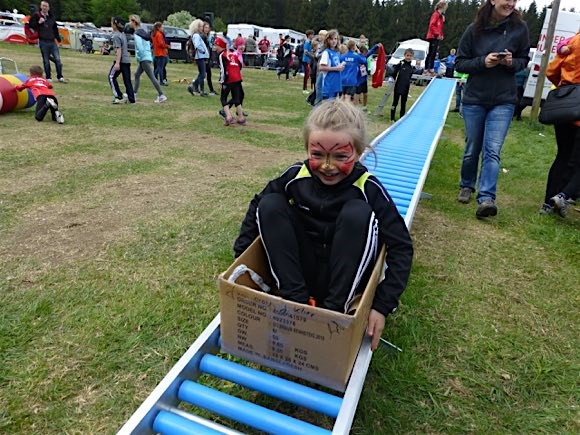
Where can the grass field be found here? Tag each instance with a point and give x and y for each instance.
(114, 227)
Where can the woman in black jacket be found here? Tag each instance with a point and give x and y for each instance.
(492, 49)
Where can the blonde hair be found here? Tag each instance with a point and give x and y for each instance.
(342, 48)
(442, 4)
(351, 44)
(338, 115)
(194, 26)
(330, 34)
(136, 19)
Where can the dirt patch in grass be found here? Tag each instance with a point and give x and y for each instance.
(83, 226)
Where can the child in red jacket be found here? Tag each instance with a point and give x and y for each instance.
(231, 81)
(43, 94)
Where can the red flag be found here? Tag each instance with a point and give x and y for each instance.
(379, 68)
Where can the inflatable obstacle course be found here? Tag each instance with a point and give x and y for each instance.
(401, 159)
(10, 99)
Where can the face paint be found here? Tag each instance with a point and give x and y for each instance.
(341, 156)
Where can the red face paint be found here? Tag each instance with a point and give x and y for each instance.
(325, 157)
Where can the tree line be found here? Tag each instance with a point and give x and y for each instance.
(386, 21)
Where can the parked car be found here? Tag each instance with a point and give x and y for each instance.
(176, 37)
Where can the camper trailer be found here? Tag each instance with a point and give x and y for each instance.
(420, 48)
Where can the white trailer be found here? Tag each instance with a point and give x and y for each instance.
(245, 30)
(567, 25)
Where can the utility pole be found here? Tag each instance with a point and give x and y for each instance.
(545, 59)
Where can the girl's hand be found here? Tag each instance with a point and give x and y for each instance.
(375, 328)
(117, 66)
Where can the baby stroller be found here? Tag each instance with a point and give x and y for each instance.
(86, 44)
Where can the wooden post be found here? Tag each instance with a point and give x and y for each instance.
(545, 59)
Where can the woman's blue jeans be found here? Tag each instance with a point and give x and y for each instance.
(485, 130)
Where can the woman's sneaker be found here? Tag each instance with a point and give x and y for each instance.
(464, 195)
(59, 117)
(486, 209)
(161, 99)
(192, 90)
(560, 204)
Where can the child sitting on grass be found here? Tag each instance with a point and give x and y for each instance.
(43, 94)
(323, 221)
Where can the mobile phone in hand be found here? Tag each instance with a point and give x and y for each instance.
(501, 55)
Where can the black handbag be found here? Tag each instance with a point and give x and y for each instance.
(561, 106)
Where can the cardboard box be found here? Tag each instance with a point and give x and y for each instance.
(311, 343)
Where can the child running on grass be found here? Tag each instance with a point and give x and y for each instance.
(43, 94)
(144, 58)
(121, 64)
(231, 81)
(323, 221)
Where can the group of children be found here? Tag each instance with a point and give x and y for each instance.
(336, 70)
(122, 63)
(341, 70)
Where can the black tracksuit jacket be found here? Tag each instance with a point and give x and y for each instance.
(48, 30)
(320, 205)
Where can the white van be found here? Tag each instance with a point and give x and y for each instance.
(567, 25)
(420, 48)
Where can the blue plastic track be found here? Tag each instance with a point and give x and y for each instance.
(402, 154)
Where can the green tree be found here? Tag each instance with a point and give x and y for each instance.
(104, 10)
(75, 10)
(219, 25)
(180, 19)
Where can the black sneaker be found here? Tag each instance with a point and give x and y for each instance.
(464, 195)
(193, 90)
(546, 209)
(222, 113)
(486, 209)
(560, 204)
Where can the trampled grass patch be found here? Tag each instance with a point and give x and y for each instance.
(114, 227)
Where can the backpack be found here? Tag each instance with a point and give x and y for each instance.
(190, 48)
(299, 51)
(31, 35)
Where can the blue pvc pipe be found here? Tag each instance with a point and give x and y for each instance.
(168, 423)
(245, 412)
(401, 201)
(271, 385)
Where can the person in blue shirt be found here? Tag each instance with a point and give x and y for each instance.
(306, 58)
(201, 56)
(352, 63)
(330, 67)
(450, 63)
(144, 58)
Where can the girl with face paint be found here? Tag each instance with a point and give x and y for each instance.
(324, 220)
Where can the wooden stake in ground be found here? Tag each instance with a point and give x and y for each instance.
(545, 59)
